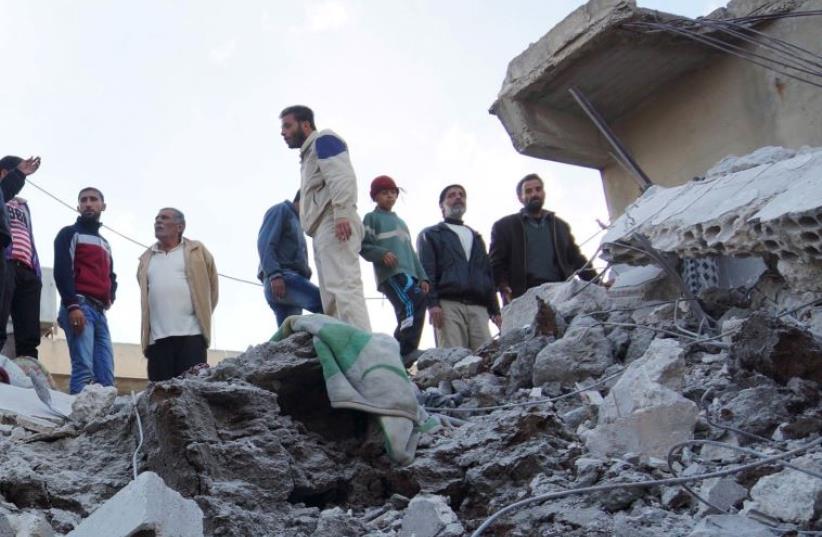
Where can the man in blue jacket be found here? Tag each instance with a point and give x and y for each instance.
(284, 270)
(462, 295)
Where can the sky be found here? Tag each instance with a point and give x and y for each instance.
(176, 103)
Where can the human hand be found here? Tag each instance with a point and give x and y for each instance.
(497, 320)
(505, 292)
(342, 229)
(278, 287)
(29, 166)
(425, 287)
(435, 316)
(77, 320)
(389, 260)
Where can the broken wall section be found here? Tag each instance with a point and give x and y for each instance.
(766, 204)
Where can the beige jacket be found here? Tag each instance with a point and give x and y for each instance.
(328, 186)
(202, 279)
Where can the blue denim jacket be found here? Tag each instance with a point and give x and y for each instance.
(281, 243)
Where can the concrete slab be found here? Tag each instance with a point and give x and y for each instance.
(145, 504)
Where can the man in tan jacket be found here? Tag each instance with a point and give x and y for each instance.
(178, 293)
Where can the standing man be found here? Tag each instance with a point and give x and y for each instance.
(22, 281)
(533, 246)
(178, 294)
(328, 213)
(284, 270)
(84, 274)
(461, 297)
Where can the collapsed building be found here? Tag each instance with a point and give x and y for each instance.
(683, 400)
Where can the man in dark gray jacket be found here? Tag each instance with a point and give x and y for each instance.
(284, 269)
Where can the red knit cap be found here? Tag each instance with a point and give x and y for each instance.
(383, 182)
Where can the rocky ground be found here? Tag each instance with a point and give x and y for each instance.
(593, 391)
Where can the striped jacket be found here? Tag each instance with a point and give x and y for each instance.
(83, 264)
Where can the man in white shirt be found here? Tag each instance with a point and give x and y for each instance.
(178, 290)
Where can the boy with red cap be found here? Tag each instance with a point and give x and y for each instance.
(398, 271)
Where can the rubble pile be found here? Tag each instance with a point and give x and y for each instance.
(580, 390)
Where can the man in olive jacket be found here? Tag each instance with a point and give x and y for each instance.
(178, 293)
(533, 246)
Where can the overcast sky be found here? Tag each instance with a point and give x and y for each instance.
(176, 103)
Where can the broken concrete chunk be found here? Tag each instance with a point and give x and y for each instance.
(730, 526)
(724, 493)
(567, 299)
(30, 524)
(468, 366)
(93, 402)
(448, 356)
(789, 495)
(777, 350)
(644, 413)
(584, 352)
(145, 504)
(429, 515)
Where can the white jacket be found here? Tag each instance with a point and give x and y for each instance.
(328, 181)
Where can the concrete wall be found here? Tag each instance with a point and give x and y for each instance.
(730, 106)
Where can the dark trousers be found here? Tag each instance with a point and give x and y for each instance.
(405, 295)
(21, 300)
(172, 356)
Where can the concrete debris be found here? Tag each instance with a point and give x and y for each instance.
(144, 505)
(254, 443)
(429, 515)
(468, 366)
(29, 524)
(94, 401)
(567, 299)
(730, 526)
(584, 352)
(724, 493)
(790, 495)
(777, 350)
(644, 412)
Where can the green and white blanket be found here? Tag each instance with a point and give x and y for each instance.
(363, 371)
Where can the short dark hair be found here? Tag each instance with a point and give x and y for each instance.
(178, 214)
(9, 162)
(95, 189)
(300, 113)
(297, 197)
(449, 187)
(529, 177)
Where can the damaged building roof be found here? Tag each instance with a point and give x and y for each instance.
(599, 50)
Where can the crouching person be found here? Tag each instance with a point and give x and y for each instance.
(178, 294)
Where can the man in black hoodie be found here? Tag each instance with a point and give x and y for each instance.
(462, 296)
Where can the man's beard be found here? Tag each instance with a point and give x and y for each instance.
(534, 205)
(298, 140)
(455, 211)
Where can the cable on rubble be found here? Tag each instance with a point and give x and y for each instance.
(600, 382)
(139, 430)
(641, 484)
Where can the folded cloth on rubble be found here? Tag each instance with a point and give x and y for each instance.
(364, 371)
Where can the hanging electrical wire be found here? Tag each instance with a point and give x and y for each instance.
(737, 38)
